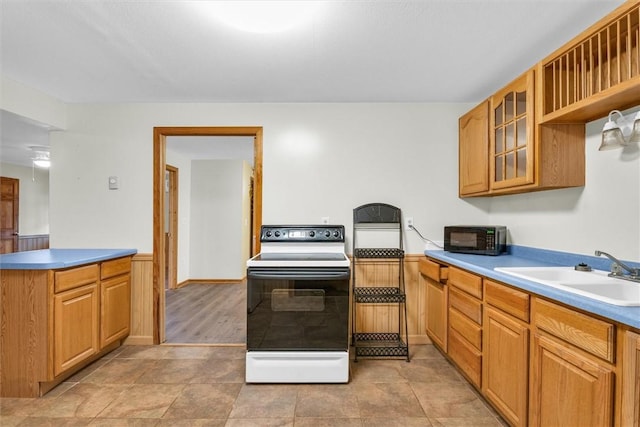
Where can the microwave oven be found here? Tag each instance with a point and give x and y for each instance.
(476, 239)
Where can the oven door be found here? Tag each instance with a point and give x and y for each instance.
(298, 308)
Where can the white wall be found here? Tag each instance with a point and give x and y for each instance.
(323, 160)
(216, 246)
(319, 160)
(34, 197)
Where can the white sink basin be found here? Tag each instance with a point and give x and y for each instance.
(594, 284)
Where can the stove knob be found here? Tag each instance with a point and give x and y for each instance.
(327, 233)
(277, 234)
(268, 233)
(336, 233)
(312, 233)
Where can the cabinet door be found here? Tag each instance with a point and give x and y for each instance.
(473, 151)
(437, 313)
(511, 135)
(115, 309)
(568, 388)
(631, 381)
(75, 326)
(505, 366)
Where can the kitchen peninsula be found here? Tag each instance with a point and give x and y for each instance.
(61, 310)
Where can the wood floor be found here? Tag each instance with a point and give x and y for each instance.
(206, 314)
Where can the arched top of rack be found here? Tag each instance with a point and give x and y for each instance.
(377, 213)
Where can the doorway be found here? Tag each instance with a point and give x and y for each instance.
(159, 203)
(9, 205)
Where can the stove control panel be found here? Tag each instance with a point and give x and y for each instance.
(302, 233)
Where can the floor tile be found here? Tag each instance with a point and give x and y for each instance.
(327, 400)
(143, 352)
(82, 400)
(327, 422)
(265, 401)
(124, 422)
(466, 422)
(396, 422)
(220, 371)
(386, 400)
(119, 371)
(166, 371)
(379, 371)
(450, 400)
(217, 422)
(204, 401)
(54, 422)
(259, 422)
(430, 370)
(143, 401)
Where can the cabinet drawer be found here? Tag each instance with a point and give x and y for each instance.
(468, 359)
(433, 270)
(468, 329)
(115, 267)
(69, 279)
(468, 282)
(507, 299)
(587, 333)
(467, 305)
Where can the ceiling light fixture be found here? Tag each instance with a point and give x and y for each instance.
(262, 16)
(40, 157)
(620, 132)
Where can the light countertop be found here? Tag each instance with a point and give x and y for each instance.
(49, 259)
(520, 256)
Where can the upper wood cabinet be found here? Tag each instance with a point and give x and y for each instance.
(511, 161)
(473, 161)
(596, 72)
(522, 155)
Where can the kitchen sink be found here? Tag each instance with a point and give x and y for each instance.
(595, 284)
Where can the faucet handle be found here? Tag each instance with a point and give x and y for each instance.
(616, 270)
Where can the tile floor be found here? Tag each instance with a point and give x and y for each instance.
(204, 386)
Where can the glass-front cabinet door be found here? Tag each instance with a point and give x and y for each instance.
(511, 162)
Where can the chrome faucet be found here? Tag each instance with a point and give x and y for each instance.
(618, 266)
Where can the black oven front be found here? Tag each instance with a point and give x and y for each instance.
(297, 308)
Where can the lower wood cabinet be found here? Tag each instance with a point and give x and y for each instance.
(115, 300)
(56, 321)
(630, 407)
(568, 388)
(435, 277)
(538, 362)
(75, 327)
(465, 323)
(506, 365)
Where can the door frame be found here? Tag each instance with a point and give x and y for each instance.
(171, 242)
(160, 135)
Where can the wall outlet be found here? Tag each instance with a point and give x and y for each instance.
(408, 223)
(324, 220)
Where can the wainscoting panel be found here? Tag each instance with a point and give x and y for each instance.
(141, 300)
(33, 242)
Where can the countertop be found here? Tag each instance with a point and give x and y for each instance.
(48, 259)
(521, 256)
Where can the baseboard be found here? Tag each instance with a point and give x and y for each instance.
(211, 282)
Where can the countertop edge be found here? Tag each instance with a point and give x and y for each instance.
(629, 316)
(53, 259)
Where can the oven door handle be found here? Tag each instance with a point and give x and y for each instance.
(299, 274)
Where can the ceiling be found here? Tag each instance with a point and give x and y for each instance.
(108, 51)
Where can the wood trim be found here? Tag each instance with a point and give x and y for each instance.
(172, 237)
(159, 165)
